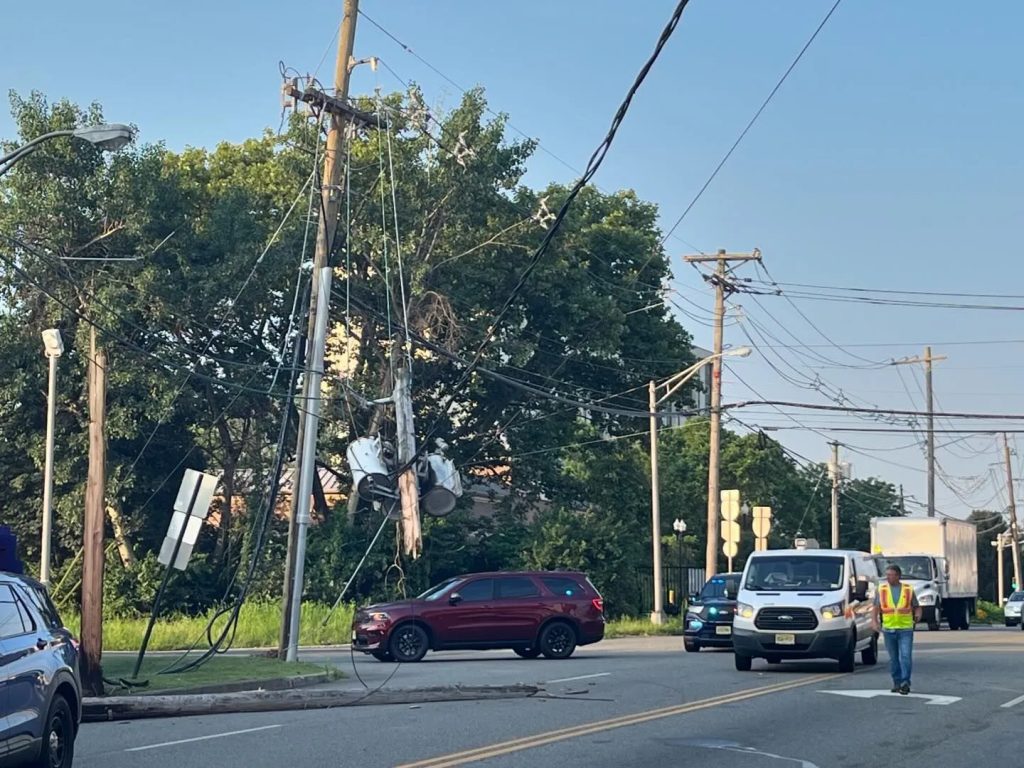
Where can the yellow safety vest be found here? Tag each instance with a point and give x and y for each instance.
(898, 615)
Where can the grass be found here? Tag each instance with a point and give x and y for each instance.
(627, 627)
(218, 670)
(989, 613)
(258, 627)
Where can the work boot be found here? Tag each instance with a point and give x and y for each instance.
(895, 688)
(905, 689)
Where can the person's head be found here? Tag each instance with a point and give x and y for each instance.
(893, 574)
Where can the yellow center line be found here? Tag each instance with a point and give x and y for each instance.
(586, 729)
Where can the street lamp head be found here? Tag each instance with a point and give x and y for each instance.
(679, 526)
(737, 352)
(53, 343)
(109, 137)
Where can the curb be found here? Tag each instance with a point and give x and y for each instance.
(271, 684)
(95, 710)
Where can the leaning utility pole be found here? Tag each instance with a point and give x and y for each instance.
(326, 228)
(835, 471)
(1014, 532)
(927, 360)
(721, 284)
(92, 539)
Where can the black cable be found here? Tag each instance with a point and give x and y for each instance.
(750, 124)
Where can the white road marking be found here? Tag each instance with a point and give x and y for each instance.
(201, 738)
(1012, 703)
(578, 677)
(931, 698)
(729, 746)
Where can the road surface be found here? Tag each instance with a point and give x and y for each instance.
(625, 703)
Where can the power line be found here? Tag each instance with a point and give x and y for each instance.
(750, 124)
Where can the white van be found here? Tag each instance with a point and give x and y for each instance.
(806, 604)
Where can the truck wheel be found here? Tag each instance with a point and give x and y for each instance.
(743, 663)
(691, 646)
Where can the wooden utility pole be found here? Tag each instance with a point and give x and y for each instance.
(1014, 532)
(93, 549)
(722, 285)
(927, 359)
(836, 473)
(330, 197)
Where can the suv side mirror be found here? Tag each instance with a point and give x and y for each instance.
(694, 598)
(859, 590)
(454, 598)
(731, 593)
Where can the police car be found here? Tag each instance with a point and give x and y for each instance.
(708, 621)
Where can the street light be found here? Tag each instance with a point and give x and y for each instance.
(108, 137)
(53, 346)
(671, 385)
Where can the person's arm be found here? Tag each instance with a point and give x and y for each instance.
(876, 614)
(916, 606)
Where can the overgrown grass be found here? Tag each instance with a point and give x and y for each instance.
(218, 670)
(989, 613)
(626, 627)
(259, 626)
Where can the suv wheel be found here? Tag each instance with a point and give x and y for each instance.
(408, 644)
(557, 640)
(691, 646)
(58, 750)
(526, 653)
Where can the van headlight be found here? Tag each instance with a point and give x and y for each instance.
(834, 611)
(744, 611)
(926, 599)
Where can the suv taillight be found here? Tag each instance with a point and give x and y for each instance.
(599, 604)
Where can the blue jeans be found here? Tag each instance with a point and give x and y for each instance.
(899, 644)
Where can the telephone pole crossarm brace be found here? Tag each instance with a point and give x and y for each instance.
(330, 104)
(719, 279)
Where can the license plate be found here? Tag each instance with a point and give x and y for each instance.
(723, 630)
(785, 639)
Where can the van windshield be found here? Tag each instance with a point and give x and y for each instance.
(796, 573)
(912, 567)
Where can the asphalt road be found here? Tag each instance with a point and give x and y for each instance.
(625, 703)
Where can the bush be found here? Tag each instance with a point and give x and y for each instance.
(989, 613)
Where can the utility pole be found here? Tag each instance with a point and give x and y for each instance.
(326, 228)
(835, 471)
(927, 360)
(1014, 533)
(92, 540)
(657, 608)
(722, 285)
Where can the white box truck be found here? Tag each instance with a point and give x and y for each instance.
(938, 557)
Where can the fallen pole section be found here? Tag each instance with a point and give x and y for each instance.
(109, 708)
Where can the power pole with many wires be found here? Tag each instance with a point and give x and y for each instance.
(330, 203)
(835, 471)
(927, 359)
(92, 539)
(1014, 532)
(722, 285)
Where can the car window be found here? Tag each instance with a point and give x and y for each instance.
(513, 587)
(1016, 597)
(14, 619)
(477, 591)
(44, 606)
(563, 586)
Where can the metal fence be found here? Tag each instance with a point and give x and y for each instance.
(679, 582)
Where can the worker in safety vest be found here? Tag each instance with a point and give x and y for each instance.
(896, 612)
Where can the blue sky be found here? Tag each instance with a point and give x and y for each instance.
(890, 158)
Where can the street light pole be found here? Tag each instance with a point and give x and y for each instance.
(108, 137)
(671, 385)
(54, 346)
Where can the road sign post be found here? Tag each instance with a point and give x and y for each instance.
(762, 524)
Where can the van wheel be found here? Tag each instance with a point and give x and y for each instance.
(870, 654)
(848, 661)
(557, 641)
(743, 663)
(691, 646)
(58, 750)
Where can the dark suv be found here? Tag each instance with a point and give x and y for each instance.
(534, 613)
(40, 691)
(709, 616)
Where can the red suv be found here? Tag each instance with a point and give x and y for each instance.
(531, 613)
